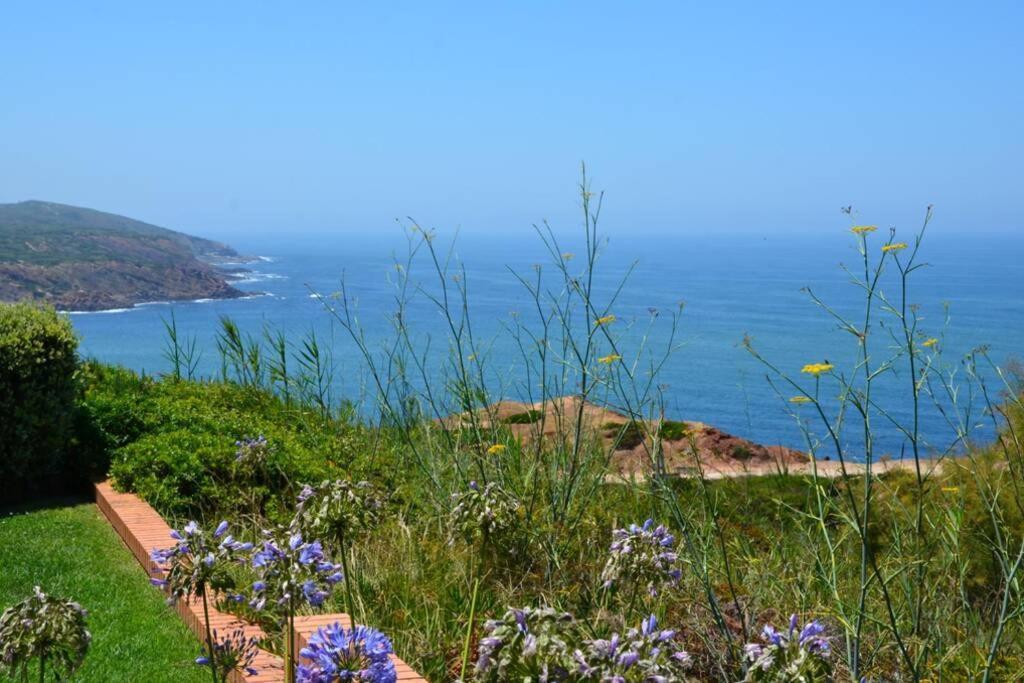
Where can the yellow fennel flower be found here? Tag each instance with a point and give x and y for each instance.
(497, 449)
(568, 256)
(863, 229)
(605, 320)
(817, 368)
(609, 359)
(799, 399)
(895, 246)
(951, 489)
(928, 343)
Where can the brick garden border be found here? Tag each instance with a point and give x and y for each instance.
(142, 529)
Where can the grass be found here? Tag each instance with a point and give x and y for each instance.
(69, 550)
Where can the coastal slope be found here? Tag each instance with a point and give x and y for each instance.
(85, 260)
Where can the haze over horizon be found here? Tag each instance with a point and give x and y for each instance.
(233, 119)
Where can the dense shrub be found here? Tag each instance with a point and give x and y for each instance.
(174, 442)
(37, 397)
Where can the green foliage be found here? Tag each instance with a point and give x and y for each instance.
(37, 396)
(627, 435)
(524, 418)
(173, 442)
(673, 430)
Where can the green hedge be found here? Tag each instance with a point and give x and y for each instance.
(37, 399)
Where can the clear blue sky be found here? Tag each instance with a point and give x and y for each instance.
(221, 117)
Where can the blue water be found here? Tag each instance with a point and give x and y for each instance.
(732, 286)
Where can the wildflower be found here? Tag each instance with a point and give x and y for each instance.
(527, 644)
(645, 654)
(336, 653)
(497, 449)
(817, 368)
(233, 652)
(46, 627)
(800, 399)
(642, 555)
(796, 655)
(895, 246)
(863, 229)
(951, 489)
(568, 256)
(930, 342)
(604, 320)
(609, 359)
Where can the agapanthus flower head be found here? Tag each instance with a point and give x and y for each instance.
(642, 555)
(197, 561)
(252, 451)
(336, 653)
(43, 626)
(490, 513)
(645, 654)
(339, 509)
(527, 644)
(291, 571)
(796, 654)
(235, 651)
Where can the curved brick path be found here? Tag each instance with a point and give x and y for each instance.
(142, 529)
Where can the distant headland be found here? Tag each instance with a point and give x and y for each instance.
(79, 259)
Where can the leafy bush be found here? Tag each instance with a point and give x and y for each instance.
(37, 396)
(174, 443)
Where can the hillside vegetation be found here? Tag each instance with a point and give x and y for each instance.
(81, 259)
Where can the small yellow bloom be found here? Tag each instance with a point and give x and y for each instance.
(605, 320)
(928, 343)
(609, 359)
(800, 399)
(895, 246)
(471, 357)
(817, 368)
(951, 489)
(863, 229)
(497, 449)
(568, 256)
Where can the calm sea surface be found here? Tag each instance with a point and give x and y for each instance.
(732, 286)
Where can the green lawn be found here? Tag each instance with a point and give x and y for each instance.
(68, 549)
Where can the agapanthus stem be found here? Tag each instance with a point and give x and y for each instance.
(289, 648)
(209, 636)
(348, 581)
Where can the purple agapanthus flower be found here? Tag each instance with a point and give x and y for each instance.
(251, 451)
(336, 653)
(643, 654)
(235, 651)
(803, 653)
(197, 561)
(290, 571)
(643, 555)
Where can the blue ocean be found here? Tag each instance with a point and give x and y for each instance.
(970, 294)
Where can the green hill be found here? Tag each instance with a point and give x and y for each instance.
(82, 259)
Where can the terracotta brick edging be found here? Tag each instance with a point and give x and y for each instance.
(142, 529)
